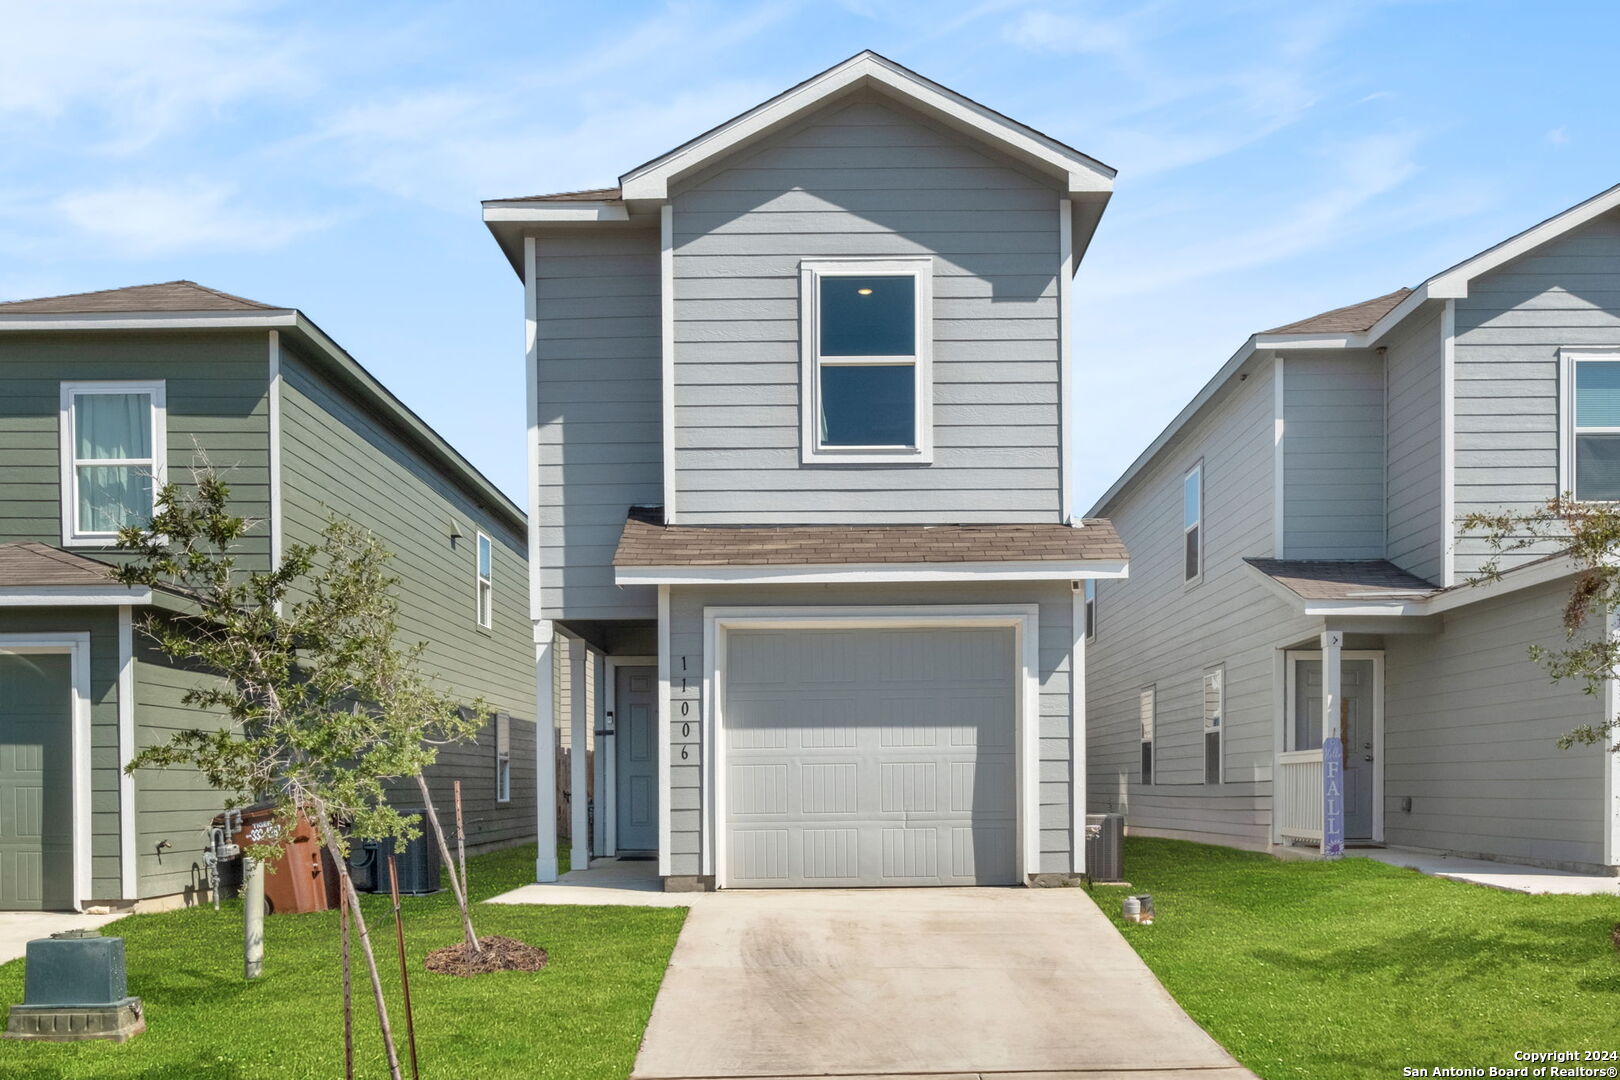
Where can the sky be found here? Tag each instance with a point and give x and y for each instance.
(1275, 159)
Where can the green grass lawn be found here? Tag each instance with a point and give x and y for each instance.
(1357, 969)
(582, 1017)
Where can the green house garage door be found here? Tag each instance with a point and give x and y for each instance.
(870, 757)
(36, 781)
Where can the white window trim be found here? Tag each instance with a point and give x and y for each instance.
(810, 273)
(479, 581)
(1152, 693)
(718, 621)
(1198, 469)
(1089, 607)
(72, 536)
(1219, 671)
(1567, 359)
(503, 781)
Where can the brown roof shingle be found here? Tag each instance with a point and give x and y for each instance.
(31, 564)
(647, 541)
(1347, 579)
(165, 296)
(1350, 319)
(611, 194)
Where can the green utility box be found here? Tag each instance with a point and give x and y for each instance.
(74, 988)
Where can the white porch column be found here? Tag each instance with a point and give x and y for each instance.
(1332, 746)
(545, 754)
(578, 777)
(599, 723)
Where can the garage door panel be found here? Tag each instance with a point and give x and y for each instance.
(870, 757)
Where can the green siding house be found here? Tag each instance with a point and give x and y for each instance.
(104, 394)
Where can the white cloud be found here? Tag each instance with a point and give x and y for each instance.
(1558, 136)
(187, 217)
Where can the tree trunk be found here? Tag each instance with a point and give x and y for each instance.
(330, 838)
(450, 865)
(348, 989)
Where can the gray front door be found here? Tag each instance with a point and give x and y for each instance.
(635, 702)
(36, 781)
(1356, 726)
(870, 757)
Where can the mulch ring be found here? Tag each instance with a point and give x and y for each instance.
(498, 954)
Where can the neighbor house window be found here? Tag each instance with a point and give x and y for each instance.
(486, 582)
(866, 388)
(1192, 502)
(1091, 608)
(1592, 469)
(112, 457)
(1214, 715)
(1145, 708)
(503, 758)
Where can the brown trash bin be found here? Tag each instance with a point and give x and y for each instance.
(305, 877)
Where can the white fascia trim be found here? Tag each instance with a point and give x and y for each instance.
(531, 347)
(73, 595)
(1023, 618)
(156, 320)
(542, 213)
(1453, 283)
(869, 573)
(1084, 174)
(1065, 284)
(127, 859)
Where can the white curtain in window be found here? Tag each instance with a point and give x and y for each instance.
(113, 426)
(112, 496)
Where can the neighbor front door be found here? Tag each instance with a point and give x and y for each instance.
(635, 699)
(36, 782)
(1356, 717)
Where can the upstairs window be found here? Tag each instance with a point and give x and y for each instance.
(1214, 716)
(1192, 500)
(866, 387)
(1592, 467)
(1145, 709)
(112, 458)
(486, 582)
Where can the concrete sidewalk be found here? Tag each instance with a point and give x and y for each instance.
(18, 928)
(938, 982)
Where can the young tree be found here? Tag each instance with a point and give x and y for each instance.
(321, 709)
(1588, 534)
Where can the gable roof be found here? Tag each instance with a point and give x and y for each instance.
(165, 296)
(186, 305)
(1345, 579)
(1339, 328)
(1350, 319)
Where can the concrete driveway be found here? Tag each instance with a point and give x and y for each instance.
(18, 928)
(915, 981)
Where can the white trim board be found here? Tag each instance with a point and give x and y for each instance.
(273, 408)
(531, 346)
(666, 324)
(1023, 618)
(1448, 444)
(110, 595)
(870, 573)
(1066, 419)
(1078, 730)
(665, 856)
(76, 645)
(545, 753)
(128, 866)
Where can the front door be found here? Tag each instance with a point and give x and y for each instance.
(36, 781)
(1356, 718)
(635, 701)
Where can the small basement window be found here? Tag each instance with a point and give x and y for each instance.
(503, 758)
(486, 582)
(866, 391)
(1091, 609)
(1214, 715)
(1145, 708)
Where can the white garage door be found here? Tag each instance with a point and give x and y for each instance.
(870, 757)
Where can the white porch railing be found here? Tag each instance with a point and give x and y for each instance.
(1298, 792)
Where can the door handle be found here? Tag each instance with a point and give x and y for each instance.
(1366, 757)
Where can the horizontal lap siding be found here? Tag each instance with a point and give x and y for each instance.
(600, 414)
(1509, 330)
(1333, 447)
(102, 626)
(866, 180)
(1414, 534)
(338, 458)
(1155, 630)
(215, 387)
(1471, 730)
(1055, 601)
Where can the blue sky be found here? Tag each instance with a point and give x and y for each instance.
(1275, 159)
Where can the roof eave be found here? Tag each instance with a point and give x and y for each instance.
(873, 573)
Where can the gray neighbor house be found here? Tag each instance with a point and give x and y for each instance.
(1298, 525)
(102, 393)
(799, 398)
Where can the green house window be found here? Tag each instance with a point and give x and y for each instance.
(112, 457)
